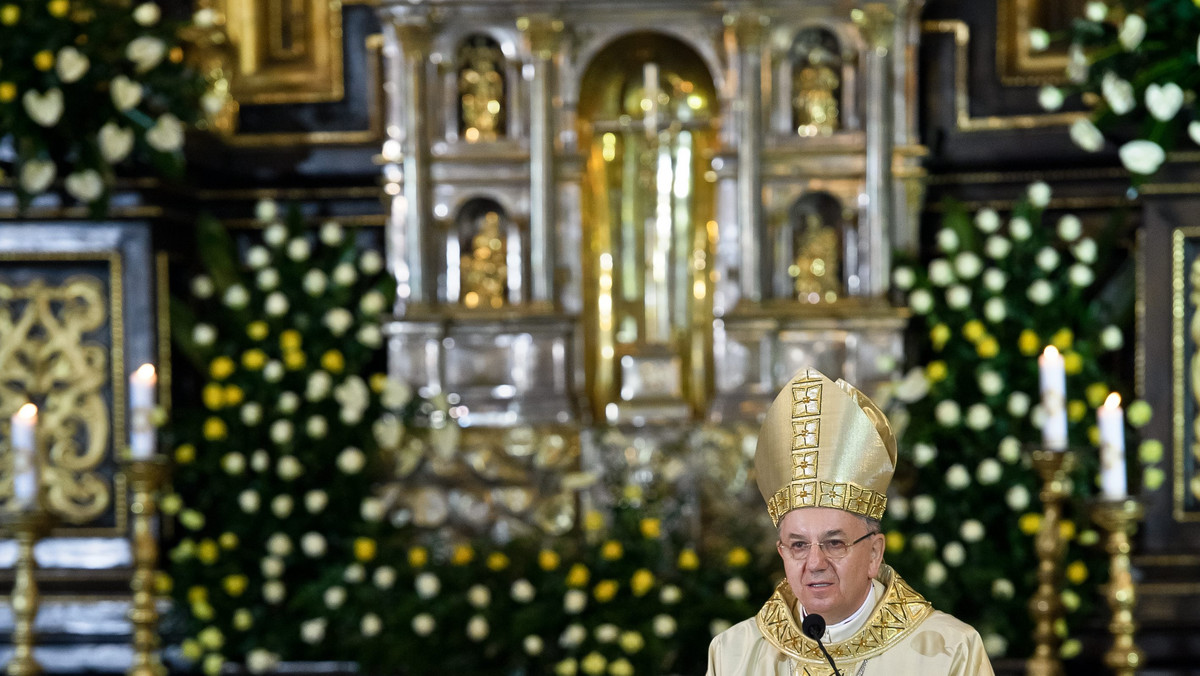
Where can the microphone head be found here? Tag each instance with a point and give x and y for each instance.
(813, 626)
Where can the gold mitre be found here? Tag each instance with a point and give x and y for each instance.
(824, 444)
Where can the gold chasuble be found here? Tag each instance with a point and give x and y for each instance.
(904, 635)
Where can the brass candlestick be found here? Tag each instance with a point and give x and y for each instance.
(145, 478)
(1119, 519)
(1045, 608)
(27, 526)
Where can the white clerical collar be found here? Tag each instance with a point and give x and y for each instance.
(836, 633)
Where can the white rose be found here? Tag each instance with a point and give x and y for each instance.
(532, 645)
(338, 320)
(331, 233)
(1078, 68)
(736, 589)
(146, 14)
(334, 597)
(370, 625)
(924, 542)
(1085, 250)
(607, 633)
(1047, 259)
(344, 274)
(957, 477)
(989, 471)
(354, 573)
(166, 135)
(912, 387)
(257, 256)
(1085, 135)
(1009, 449)
(972, 530)
(979, 417)
(318, 385)
(923, 454)
(316, 427)
(265, 211)
(85, 186)
(276, 233)
(251, 413)
(990, 382)
(1117, 93)
(202, 287)
(987, 220)
(273, 371)
(1018, 404)
(967, 265)
(125, 93)
(921, 301)
(1081, 275)
(370, 262)
(423, 624)
(1133, 30)
(298, 249)
(276, 305)
(1020, 229)
(1039, 194)
(954, 554)
(370, 336)
(997, 247)
(574, 601)
(1069, 228)
(289, 467)
(372, 303)
(267, 279)
(281, 506)
(996, 645)
(351, 460)
(947, 240)
(670, 594)
(315, 501)
(935, 573)
(1096, 11)
(146, 52)
(314, 282)
(279, 544)
(1017, 498)
(1111, 338)
(717, 626)
(572, 636)
(1040, 292)
(923, 508)
(1002, 589)
(1050, 98)
(204, 335)
(947, 413)
(994, 310)
(236, 296)
(259, 661)
(903, 278)
(384, 577)
(664, 626)
(427, 585)
(958, 297)
(372, 510)
(233, 463)
(1039, 39)
(248, 500)
(940, 272)
(260, 460)
(477, 628)
(273, 592)
(522, 591)
(995, 280)
(313, 631)
(479, 596)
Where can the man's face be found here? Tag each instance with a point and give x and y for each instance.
(831, 587)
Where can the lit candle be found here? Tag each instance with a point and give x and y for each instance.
(142, 439)
(24, 454)
(1052, 376)
(1111, 419)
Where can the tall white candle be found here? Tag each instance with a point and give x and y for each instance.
(1111, 419)
(142, 437)
(24, 455)
(1052, 376)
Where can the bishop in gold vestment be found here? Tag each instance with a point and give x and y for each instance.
(825, 457)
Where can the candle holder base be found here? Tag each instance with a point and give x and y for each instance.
(1119, 520)
(1045, 607)
(146, 477)
(27, 527)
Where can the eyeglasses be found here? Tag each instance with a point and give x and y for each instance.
(832, 549)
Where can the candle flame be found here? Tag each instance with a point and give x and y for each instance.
(1051, 352)
(146, 372)
(1113, 400)
(28, 411)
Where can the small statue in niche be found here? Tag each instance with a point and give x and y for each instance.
(815, 104)
(815, 267)
(484, 267)
(481, 92)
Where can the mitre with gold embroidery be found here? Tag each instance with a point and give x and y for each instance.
(824, 444)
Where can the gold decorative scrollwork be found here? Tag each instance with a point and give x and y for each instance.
(47, 356)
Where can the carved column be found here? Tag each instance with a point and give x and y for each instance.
(751, 31)
(877, 23)
(544, 34)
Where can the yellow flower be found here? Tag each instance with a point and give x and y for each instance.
(895, 541)
(294, 360)
(170, 504)
(738, 557)
(10, 14)
(939, 334)
(548, 559)
(1066, 529)
(234, 584)
(254, 359)
(203, 611)
(163, 584)
(1095, 394)
(242, 619)
(1072, 363)
(1030, 523)
(417, 557)
(1077, 572)
(364, 549)
(936, 371)
(234, 395)
(1028, 343)
(651, 528)
(221, 368)
(688, 560)
(58, 8)
(213, 663)
(211, 638)
(593, 521)
(333, 361)
(605, 590)
(207, 551)
(612, 550)
(197, 594)
(213, 396)
(1093, 434)
(593, 664)
(1076, 409)
(257, 330)
(974, 330)
(1150, 451)
(578, 575)
(185, 453)
(1062, 339)
(1138, 413)
(641, 582)
(378, 382)
(214, 429)
(289, 339)
(8, 92)
(988, 347)
(228, 540)
(191, 649)
(497, 561)
(463, 554)
(191, 519)
(43, 60)
(1071, 647)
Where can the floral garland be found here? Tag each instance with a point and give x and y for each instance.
(964, 513)
(85, 86)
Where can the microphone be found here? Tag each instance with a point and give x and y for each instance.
(813, 627)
